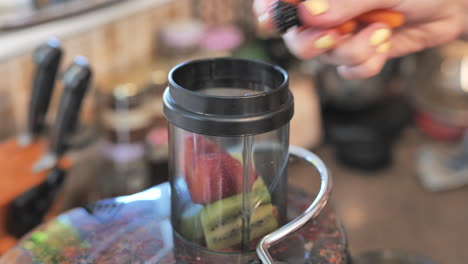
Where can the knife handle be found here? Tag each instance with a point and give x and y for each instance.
(47, 59)
(27, 210)
(76, 81)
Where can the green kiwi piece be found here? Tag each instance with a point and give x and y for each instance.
(229, 234)
(222, 220)
(259, 183)
(230, 208)
(190, 224)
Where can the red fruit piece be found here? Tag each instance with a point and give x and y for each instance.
(208, 182)
(233, 169)
(210, 172)
(196, 145)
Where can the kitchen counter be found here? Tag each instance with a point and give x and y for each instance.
(390, 209)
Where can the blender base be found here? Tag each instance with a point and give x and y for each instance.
(137, 229)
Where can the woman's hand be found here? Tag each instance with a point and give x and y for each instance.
(363, 54)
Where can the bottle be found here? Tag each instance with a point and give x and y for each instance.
(157, 147)
(125, 126)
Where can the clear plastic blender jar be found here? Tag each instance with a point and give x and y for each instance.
(229, 139)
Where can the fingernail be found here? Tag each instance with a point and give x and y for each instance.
(262, 18)
(380, 36)
(383, 48)
(324, 42)
(316, 7)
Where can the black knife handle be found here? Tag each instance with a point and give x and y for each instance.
(47, 59)
(76, 82)
(28, 210)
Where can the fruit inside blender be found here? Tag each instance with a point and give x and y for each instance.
(226, 202)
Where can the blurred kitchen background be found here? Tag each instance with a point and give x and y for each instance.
(395, 143)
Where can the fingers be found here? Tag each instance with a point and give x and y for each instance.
(331, 13)
(362, 55)
(309, 43)
(262, 11)
(360, 47)
(369, 68)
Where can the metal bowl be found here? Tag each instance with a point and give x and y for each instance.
(391, 257)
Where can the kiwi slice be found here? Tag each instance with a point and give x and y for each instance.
(230, 208)
(190, 224)
(222, 220)
(229, 234)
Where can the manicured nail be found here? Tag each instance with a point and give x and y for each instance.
(262, 18)
(324, 42)
(383, 48)
(380, 36)
(316, 7)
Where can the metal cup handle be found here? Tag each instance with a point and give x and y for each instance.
(311, 212)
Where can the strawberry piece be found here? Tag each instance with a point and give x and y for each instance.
(196, 145)
(233, 169)
(208, 182)
(210, 172)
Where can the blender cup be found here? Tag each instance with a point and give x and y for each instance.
(228, 155)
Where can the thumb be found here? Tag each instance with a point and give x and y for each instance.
(331, 13)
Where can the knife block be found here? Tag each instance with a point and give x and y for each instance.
(17, 177)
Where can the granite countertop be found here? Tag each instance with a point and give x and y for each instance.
(390, 209)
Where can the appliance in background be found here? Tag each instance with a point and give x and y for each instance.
(125, 125)
(439, 92)
(157, 147)
(441, 104)
(123, 161)
(443, 168)
(363, 118)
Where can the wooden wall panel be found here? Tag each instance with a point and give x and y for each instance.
(111, 50)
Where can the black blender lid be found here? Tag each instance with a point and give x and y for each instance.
(228, 97)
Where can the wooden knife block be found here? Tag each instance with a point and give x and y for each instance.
(17, 177)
